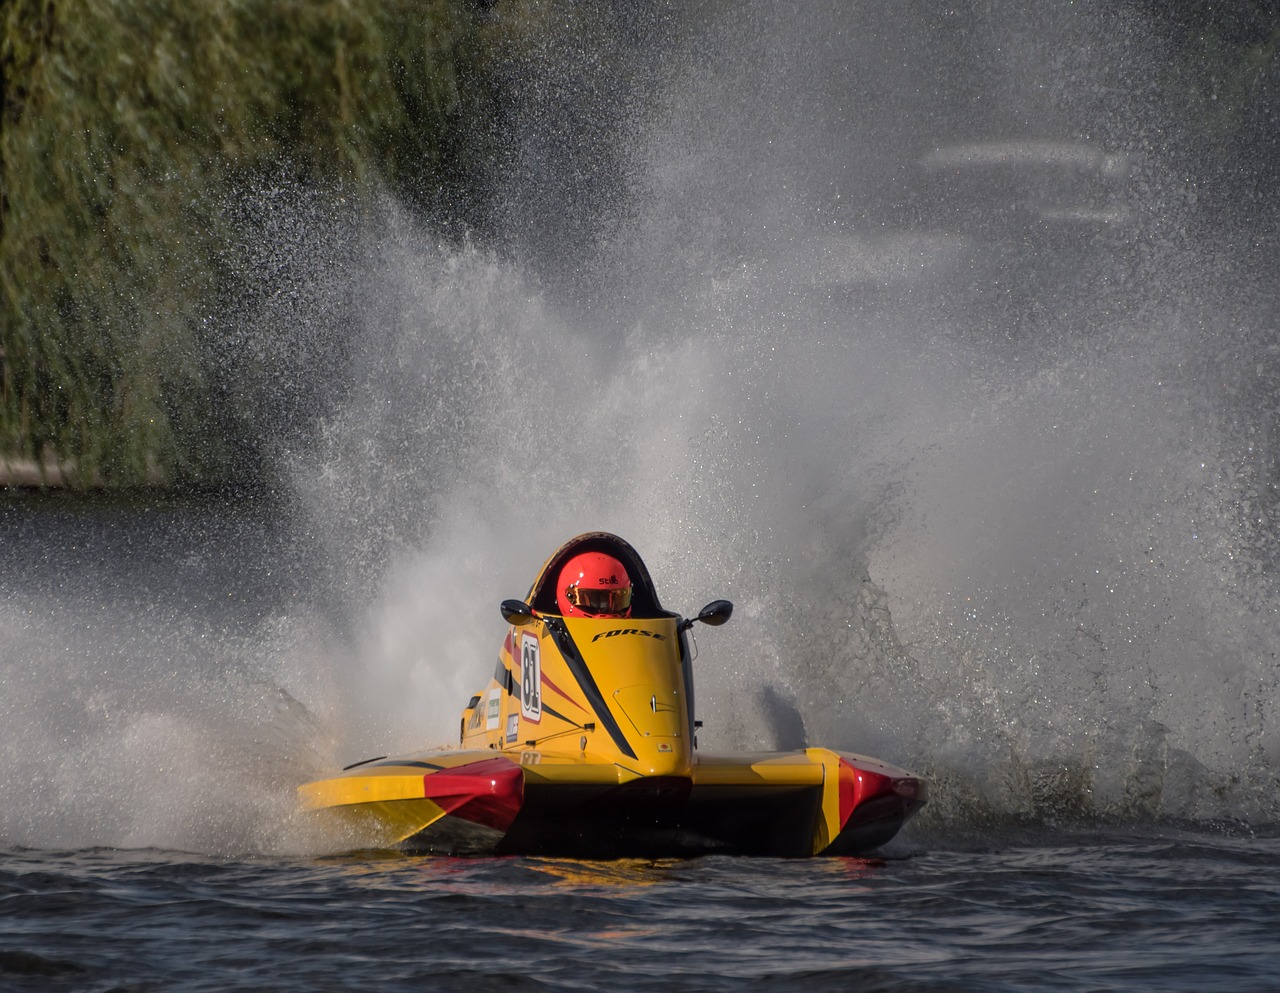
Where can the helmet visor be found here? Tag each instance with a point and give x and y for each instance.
(616, 600)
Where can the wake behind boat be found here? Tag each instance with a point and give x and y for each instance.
(584, 744)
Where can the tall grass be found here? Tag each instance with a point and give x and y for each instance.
(126, 123)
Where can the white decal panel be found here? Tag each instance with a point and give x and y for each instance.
(530, 678)
(494, 716)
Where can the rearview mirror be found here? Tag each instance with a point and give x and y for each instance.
(516, 612)
(715, 613)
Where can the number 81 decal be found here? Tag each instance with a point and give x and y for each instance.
(530, 678)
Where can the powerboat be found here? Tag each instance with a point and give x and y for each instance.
(584, 744)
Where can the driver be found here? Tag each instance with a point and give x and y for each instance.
(594, 584)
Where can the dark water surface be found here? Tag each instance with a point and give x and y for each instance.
(132, 728)
(1164, 913)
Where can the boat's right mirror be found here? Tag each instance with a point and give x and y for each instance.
(716, 613)
(516, 612)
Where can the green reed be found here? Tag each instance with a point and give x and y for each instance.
(126, 123)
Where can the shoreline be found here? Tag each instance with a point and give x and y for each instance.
(27, 473)
(20, 472)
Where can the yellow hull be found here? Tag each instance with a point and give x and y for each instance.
(785, 804)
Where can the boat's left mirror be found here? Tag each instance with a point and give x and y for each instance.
(516, 612)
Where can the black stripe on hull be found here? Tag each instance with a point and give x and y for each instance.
(415, 764)
(578, 666)
(559, 716)
(506, 679)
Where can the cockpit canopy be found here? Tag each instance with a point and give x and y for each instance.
(644, 599)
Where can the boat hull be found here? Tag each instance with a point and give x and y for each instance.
(583, 743)
(782, 804)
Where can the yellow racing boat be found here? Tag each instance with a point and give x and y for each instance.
(584, 744)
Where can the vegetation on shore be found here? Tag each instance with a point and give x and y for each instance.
(130, 129)
(126, 128)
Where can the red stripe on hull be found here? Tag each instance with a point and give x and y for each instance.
(490, 792)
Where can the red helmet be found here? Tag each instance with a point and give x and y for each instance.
(594, 584)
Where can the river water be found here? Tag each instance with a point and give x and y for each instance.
(941, 376)
(1161, 912)
(152, 650)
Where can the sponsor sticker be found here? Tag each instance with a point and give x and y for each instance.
(494, 718)
(513, 727)
(639, 632)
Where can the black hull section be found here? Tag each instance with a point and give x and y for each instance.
(667, 818)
